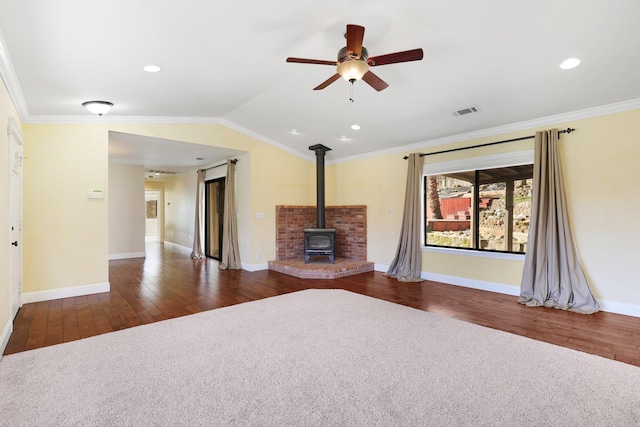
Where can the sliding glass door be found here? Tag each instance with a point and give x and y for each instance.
(214, 212)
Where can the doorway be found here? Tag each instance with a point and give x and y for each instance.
(153, 216)
(214, 214)
(16, 140)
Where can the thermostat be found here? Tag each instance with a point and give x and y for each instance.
(95, 193)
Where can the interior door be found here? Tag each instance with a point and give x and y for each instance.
(15, 215)
(214, 213)
(152, 216)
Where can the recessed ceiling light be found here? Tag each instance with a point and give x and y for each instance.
(295, 131)
(355, 127)
(570, 63)
(344, 138)
(152, 68)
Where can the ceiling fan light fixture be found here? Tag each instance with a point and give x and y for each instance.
(98, 107)
(353, 69)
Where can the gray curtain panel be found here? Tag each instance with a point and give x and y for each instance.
(198, 233)
(406, 266)
(552, 275)
(230, 254)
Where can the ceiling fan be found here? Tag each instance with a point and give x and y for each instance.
(353, 61)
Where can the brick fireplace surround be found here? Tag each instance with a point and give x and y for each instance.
(350, 223)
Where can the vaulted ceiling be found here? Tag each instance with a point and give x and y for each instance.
(224, 61)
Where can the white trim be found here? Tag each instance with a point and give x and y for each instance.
(177, 246)
(255, 267)
(620, 308)
(4, 338)
(587, 113)
(8, 75)
(473, 253)
(513, 158)
(499, 288)
(13, 129)
(107, 119)
(266, 140)
(75, 291)
(605, 305)
(127, 255)
(381, 268)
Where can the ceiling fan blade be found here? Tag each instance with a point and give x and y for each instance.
(327, 82)
(311, 61)
(394, 58)
(355, 36)
(374, 81)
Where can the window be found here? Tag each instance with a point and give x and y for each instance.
(483, 209)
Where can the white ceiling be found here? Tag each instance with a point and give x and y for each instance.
(225, 60)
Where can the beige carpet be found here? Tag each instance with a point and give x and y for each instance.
(316, 357)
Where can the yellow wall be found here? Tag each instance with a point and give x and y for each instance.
(66, 235)
(601, 167)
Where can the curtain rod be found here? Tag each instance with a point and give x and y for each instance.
(234, 161)
(567, 130)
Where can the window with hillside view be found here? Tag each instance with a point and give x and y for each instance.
(485, 209)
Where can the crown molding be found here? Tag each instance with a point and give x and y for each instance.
(264, 139)
(94, 119)
(587, 113)
(10, 80)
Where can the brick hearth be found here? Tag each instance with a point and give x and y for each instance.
(350, 223)
(321, 270)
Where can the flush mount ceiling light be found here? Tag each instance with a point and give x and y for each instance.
(98, 107)
(570, 63)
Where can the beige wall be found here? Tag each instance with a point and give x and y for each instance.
(601, 166)
(180, 208)
(126, 210)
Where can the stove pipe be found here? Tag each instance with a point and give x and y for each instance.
(320, 150)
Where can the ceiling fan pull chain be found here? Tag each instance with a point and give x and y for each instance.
(351, 91)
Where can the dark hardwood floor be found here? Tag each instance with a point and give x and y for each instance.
(169, 284)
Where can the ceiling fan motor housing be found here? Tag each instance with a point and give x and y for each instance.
(343, 55)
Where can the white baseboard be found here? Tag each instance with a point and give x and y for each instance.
(127, 255)
(473, 284)
(4, 338)
(255, 267)
(177, 246)
(75, 291)
(605, 305)
(619, 308)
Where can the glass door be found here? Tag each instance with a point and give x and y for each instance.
(214, 213)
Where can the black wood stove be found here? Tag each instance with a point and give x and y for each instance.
(320, 241)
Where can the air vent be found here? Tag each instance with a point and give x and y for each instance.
(468, 110)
